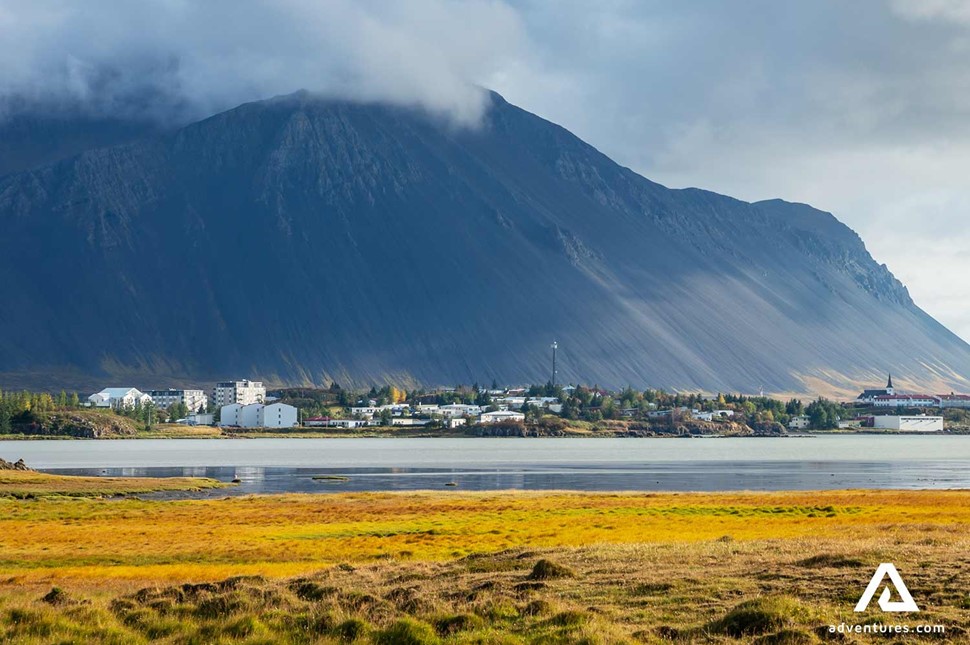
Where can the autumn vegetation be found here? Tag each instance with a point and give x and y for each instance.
(461, 567)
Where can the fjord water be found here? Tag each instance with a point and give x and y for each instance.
(332, 465)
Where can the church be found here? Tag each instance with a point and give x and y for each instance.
(869, 396)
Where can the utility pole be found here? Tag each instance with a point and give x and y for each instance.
(555, 346)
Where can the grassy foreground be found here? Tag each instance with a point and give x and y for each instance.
(456, 567)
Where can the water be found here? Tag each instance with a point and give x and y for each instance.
(711, 464)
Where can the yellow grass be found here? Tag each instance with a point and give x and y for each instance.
(273, 535)
(27, 484)
(647, 566)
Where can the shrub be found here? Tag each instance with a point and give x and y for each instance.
(351, 629)
(311, 591)
(547, 569)
(760, 616)
(458, 623)
(56, 596)
(537, 608)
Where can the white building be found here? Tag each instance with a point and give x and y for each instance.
(954, 400)
(500, 416)
(242, 392)
(800, 422)
(279, 415)
(459, 410)
(193, 399)
(249, 415)
(119, 397)
(365, 411)
(199, 419)
(908, 424)
(906, 401)
(229, 414)
(346, 423)
(257, 415)
(409, 421)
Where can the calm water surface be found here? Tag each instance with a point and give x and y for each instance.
(289, 465)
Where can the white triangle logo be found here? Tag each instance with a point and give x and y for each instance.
(906, 602)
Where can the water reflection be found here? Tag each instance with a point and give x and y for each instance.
(681, 476)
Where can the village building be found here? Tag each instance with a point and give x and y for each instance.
(243, 392)
(799, 422)
(459, 410)
(919, 423)
(868, 396)
(194, 400)
(906, 401)
(119, 398)
(952, 400)
(257, 415)
(500, 417)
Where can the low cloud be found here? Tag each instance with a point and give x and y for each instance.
(177, 60)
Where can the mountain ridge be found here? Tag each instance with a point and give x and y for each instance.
(399, 248)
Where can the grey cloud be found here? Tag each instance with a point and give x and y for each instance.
(171, 59)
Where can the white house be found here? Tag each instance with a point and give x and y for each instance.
(459, 410)
(501, 416)
(346, 423)
(800, 422)
(119, 397)
(409, 421)
(365, 411)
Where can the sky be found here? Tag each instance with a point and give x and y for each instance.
(858, 108)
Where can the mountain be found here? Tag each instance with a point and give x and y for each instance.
(303, 239)
(30, 140)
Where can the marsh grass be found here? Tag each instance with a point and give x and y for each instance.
(172, 572)
(31, 484)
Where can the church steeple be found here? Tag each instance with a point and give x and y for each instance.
(889, 385)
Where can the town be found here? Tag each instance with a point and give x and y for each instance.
(245, 406)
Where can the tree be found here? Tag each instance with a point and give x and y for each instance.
(385, 417)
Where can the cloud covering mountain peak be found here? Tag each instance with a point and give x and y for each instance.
(174, 61)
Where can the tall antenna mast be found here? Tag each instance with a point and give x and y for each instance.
(555, 346)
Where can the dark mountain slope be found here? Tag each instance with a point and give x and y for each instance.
(299, 239)
(31, 140)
